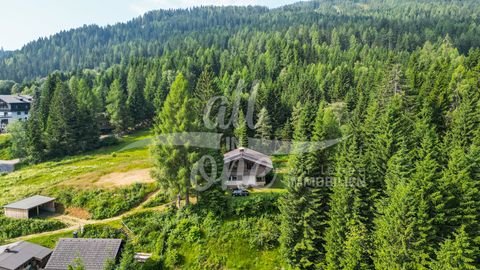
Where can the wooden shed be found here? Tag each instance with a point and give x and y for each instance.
(30, 207)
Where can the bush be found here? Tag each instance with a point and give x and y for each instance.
(254, 205)
(102, 231)
(105, 203)
(158, 200)
(12, 228)
(5, 144)
(173, 258)
(266, 233)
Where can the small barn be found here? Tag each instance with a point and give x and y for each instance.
(30, 207)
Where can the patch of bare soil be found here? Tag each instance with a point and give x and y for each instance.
(119, 179)
(78, 212)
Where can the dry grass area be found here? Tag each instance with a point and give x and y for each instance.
(121, 179)
(78, 213)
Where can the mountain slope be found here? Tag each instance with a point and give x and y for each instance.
(158, 32)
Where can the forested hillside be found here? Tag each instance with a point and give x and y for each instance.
(399, 81)
(399, 25)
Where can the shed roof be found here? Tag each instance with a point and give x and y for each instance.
(20, 253)
(29, 203)
(94, 253)
(248, 154)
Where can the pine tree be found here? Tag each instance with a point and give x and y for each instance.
(309, 168)
(136, 103)
(34, 133)
(240, 131)
(117, 109)
(206, 89)
(46, 96)
(457, 253)
(298, 239)
(345, 208)
(173, 163)
(263, 127)
(61, 134)
(355, 252)
(460, 194)
(88, 132)
(151, 86)
(403, 225)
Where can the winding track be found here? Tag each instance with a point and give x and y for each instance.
(75, 223)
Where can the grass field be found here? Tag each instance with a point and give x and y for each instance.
(82, 171)
(4, 143)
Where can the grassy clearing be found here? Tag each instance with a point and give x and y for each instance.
(50, 241)
(4, 145)
(81, 171)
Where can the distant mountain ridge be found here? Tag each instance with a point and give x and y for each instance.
(162, 31)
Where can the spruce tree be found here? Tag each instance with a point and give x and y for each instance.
(241, 129)
(136, 105)
(298, 239)
(263, 127)
(34, 134)
(61, 134)
(117, 109)
(345, 207)
(457, 253)
(173, 163)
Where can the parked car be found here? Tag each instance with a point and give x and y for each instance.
(240, 192)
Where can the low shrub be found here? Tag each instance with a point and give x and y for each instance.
(254, 205)
(105, 203)
(158, 200)
(102, 231)
(12, 228)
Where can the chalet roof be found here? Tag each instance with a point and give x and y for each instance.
(30, 202)
(16, 98)
(12, 256)
(94, 253)
(249, 154)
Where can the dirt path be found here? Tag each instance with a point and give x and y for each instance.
(75, 223)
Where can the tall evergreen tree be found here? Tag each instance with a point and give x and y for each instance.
(297, 246)
(345, 224)
(241, 129)
(34, 133)
(62, 122)
(173, 163)
(263, 127)
(117, 108)
(136, 103)
(457, 253)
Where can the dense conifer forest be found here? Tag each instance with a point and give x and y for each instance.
(398, 80)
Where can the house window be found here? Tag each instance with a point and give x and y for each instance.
(19, 113)
(235, 178)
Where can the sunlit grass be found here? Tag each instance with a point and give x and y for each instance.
(76, 171)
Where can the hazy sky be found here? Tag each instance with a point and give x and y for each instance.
(22, 21)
